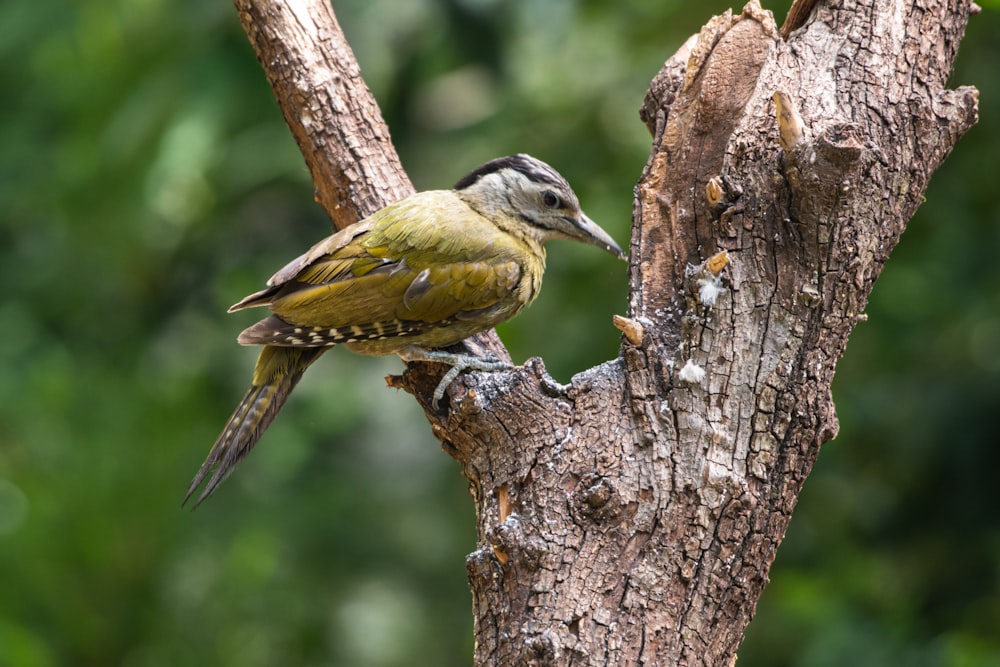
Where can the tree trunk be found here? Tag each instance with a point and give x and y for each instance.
(632, 516)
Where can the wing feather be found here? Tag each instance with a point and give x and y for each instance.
(327, 248)
(424, 262)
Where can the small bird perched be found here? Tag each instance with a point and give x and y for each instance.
(425, 272)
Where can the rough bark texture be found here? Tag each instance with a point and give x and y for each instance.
(329, 109)
(631, 517)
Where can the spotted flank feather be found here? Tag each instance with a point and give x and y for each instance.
(275, 331)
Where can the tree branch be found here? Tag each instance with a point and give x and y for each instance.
(632, 516)
(327, 106)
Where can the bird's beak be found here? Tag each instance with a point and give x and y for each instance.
(588, 231)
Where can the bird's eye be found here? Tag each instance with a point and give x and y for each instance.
(550, 199)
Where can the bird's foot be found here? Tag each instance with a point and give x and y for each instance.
(458, 363)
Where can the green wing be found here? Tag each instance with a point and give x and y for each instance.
(422, 263)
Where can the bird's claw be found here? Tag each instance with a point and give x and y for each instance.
(458, 363)
(488, 364)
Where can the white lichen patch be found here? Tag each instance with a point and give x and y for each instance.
(691, 372)
(709, 289)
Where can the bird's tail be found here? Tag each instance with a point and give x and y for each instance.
(277, 372)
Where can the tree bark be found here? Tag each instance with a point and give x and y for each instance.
(327, 106)
(632, 516)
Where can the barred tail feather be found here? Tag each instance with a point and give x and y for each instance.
(278, 371)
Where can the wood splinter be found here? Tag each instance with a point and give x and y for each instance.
(717, 262)
(714, 191)
(633, 331)
(790, 125)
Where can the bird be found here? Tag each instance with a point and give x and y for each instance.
(418, 275)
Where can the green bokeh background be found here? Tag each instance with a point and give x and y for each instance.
(147, 181)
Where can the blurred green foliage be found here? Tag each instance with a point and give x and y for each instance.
(147, 181)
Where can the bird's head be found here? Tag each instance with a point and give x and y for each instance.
(528, 192)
